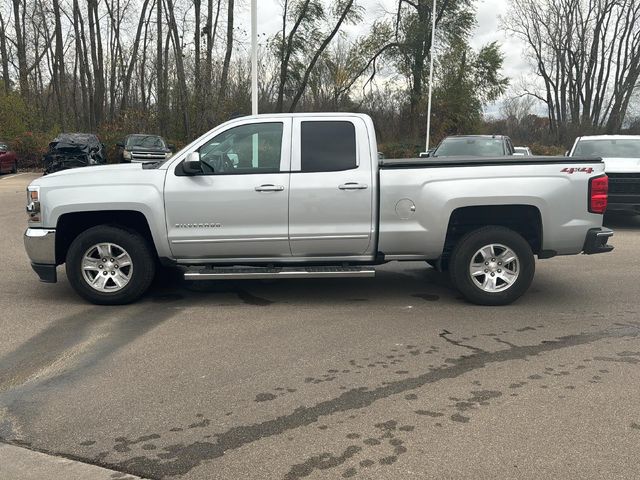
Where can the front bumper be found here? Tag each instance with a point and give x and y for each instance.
(40, 244)
(596, 241)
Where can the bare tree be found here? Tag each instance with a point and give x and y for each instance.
(587, 54)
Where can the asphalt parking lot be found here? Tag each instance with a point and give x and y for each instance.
(388, 378)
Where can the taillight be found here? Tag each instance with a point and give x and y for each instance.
(598, 190)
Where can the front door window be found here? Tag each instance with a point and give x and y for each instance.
(247, 149)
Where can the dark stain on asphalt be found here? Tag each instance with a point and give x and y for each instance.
(429, 413)
(201, 424)
(429, 297)
(265, 397)
(180, 459)
(251, 299)
(324, 461)
(481, 397)
(123, 444)
(456, 417)
(635, 425)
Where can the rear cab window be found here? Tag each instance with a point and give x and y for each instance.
(328, 146)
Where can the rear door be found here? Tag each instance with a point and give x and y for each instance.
(331, 187)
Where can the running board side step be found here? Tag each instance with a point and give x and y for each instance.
(246, 273)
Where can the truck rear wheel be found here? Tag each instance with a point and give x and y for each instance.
(109, 265)
(492, 266)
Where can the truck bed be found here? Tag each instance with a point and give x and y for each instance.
(435, 162)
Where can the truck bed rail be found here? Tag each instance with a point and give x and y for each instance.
(435, 162)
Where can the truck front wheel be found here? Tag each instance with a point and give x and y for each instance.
(492, 266)
(108, 265)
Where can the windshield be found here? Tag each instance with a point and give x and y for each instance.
(145, 141)
(609, 148)
(470, 146)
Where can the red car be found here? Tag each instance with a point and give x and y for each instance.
(8, 159)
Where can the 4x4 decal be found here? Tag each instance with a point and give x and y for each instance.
(574, 170)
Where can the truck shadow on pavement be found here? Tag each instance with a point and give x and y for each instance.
(389, 287)
(413, 283)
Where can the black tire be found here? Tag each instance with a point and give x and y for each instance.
(14, 169)
(142, 258)
(463, 255)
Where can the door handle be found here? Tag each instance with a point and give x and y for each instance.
(270, 188)
(353, 186)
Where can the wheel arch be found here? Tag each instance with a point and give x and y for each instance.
(525, 220)
(70, 225)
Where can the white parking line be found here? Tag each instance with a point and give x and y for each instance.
(12, 176)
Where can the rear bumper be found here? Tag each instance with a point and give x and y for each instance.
(596, 241)
(40, 244)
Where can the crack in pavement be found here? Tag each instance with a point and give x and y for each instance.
(445, 336)
(179, 459)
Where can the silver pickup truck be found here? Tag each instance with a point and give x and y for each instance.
(305, 196)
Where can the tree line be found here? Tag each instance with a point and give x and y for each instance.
(179, 67)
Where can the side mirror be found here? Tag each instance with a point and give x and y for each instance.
(120, 144)
(566, 154)
(171, 147)
(192, 165)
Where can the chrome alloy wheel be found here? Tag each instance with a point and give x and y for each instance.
(107, 267)
(494, 268)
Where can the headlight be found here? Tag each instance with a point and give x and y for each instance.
(33, 203)
(126, 154)
(169, 155)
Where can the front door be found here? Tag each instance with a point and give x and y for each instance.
(238, 207)
(332, 189)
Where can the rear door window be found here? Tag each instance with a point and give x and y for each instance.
(328, 146)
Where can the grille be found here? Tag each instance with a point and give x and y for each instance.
(147, 157)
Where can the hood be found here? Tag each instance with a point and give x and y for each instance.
(621, 165)
(98, 173)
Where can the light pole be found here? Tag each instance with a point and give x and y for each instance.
(433, 37)
(254, 57)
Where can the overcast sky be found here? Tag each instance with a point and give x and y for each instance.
(488, 12)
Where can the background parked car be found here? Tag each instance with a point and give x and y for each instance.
(143, 148)
(523, 151)
(621, 155)
(71, 150)
(473, 145)
(8, 159)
